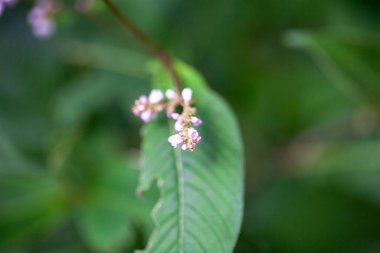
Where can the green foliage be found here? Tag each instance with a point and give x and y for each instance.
(201, 203)
(36, 192)
(308, 110)
(350, 59)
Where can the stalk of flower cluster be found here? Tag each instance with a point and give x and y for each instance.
(147, 108)
(148, 42)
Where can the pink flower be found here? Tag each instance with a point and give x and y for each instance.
(196, 121)
(175, 140)
(40, 19)
(6, 3)
(171, 94)
(146, 108)
(175, 116)
(179, 124)
(140, 105)
(187, 136)
(194, 135)
(147, 116)
(143, 99)
(156, 97)
(187, 94)
(189, 146)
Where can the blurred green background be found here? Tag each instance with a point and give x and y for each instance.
(303, 76)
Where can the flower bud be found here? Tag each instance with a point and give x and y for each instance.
(187, 94)
(196, 121)
(175, 140)
(175, 116)
(156, 97)
(146, 116)
(171, 94)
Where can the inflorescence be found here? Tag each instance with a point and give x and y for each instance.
(147, 107)
(6, 3)
(40, 18)
(43, 14)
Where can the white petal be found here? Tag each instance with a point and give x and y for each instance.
(146, 116)
(143, 99)
(175, 140)
(171, 94)
(187, 94)
(175, 116)
(156, 96)
(193, 134)
(178, 126)
(196, 121)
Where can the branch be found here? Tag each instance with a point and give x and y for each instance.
(160, 52)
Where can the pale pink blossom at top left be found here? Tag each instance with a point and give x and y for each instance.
(6, 3)
(41, 20)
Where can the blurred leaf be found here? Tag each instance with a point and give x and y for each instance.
(349, 59)
(101, 184)
(31, 203)
(104, 57)
(309, 215)
(93, 94)
(104, 227)
(10, 157)
(354, 166)
(200, 209)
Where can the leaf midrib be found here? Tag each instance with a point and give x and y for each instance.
(181, 195)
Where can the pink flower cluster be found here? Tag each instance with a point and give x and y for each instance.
(40, 18)
(187, 136)
(147, 108)
(6, 3)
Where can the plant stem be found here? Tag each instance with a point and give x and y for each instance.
(160, 52)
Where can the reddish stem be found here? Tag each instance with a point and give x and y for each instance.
(160, 52)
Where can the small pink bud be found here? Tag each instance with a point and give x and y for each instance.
(140, 108)
(193, 134)
(156, 97)
(175, 116)
(171, 94)
(146, 116)
(196, 121)
(143, 99)
(175, 140)
(184, 147)
(187, 94)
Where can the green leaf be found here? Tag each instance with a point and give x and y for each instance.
(106, 228)
(353, 165)
(201, 203)
(31, 203)
(103, 179)
(349, 59)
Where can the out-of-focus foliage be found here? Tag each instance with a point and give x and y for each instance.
(303, 77)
